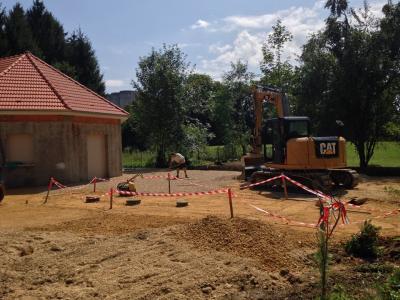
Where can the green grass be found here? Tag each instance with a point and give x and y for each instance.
(138, 159)
(387, 154)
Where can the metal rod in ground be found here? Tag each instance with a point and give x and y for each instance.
(169, 183)
(48, 190)
(94, 184)
(111, 198)
(284, 186)
(230, 201)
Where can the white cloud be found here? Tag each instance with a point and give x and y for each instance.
(114, 83)
(250, 31)
(246, 47)
(200, 24)
(216, 48)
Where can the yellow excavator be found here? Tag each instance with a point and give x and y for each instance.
(285, 145)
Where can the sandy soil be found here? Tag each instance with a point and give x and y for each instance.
(68, 249)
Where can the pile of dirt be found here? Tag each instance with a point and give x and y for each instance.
(111, 223)
(275, 249)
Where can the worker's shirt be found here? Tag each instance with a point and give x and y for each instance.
(178, 159)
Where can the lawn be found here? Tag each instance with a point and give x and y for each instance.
(387, 154)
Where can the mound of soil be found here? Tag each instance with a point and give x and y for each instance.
(275, 249)
(110, 224)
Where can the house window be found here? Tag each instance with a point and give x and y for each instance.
(20, 148)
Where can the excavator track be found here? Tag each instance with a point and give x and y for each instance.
(346, 178)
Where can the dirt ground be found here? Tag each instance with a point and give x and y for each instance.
(68, 249)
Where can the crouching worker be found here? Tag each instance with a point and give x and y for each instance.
(178, 162)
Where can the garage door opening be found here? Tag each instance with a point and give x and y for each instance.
(97, 156)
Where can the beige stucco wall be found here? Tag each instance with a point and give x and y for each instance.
(61, 142)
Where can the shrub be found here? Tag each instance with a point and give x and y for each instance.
(391, 289)
(338, 293)
(364, 244)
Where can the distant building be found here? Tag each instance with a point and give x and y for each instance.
(122, 98)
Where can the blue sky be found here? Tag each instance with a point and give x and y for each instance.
(211, 32)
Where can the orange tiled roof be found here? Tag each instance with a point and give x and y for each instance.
(28, 83)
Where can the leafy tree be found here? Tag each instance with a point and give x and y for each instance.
(158, 108)
(18, 33)
(238, 81)
(198, 92)
(276, 72)
(80, 55)
(314, 80)
(347, 74)
(47, 32)
(3, 38)
(222, 115)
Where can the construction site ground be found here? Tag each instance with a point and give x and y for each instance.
(69, 249)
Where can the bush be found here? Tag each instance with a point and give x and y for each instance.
(391, 289)
(338, 293)
(364, 244)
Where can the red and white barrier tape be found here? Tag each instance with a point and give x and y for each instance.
(261, 182)
(54, 182)
(157, 177)
(288, 221)
(214, 192)
(316, 193)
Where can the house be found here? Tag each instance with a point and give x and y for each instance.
(52, 126)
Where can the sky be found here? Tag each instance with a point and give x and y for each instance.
(212, 33)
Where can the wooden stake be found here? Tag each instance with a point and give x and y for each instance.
(284, 186)
(111, 197)
(94, 184)
(230, 202)
(169, 183)
(48, 190)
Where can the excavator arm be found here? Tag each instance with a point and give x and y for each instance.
(261, 95)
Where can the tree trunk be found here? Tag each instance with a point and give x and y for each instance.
(361, 155)
(244, 149)
(160, 160)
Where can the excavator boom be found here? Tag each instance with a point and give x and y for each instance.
(270, 95)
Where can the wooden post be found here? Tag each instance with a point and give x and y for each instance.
(94, 184)
(111, 197)
(48, 190)
(169, 183)
(230, 201)
(284, 186)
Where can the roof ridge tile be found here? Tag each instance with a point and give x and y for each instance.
(76, 82)
(13, 63)
(47, 81)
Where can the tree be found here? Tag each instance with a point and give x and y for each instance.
(276, 72)
(198, 92)
(3, 38)
(314, 81)
(47, 32)
(222, 115)
(158, 110)
(238, 81)
(361, 84)
(80, 55)
(347, 74)
(18, 33)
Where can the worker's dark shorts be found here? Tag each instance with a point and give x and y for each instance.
(181, 166)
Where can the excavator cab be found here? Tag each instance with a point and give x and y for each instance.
(278, 131)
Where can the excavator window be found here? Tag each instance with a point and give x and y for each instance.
(296, 129)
